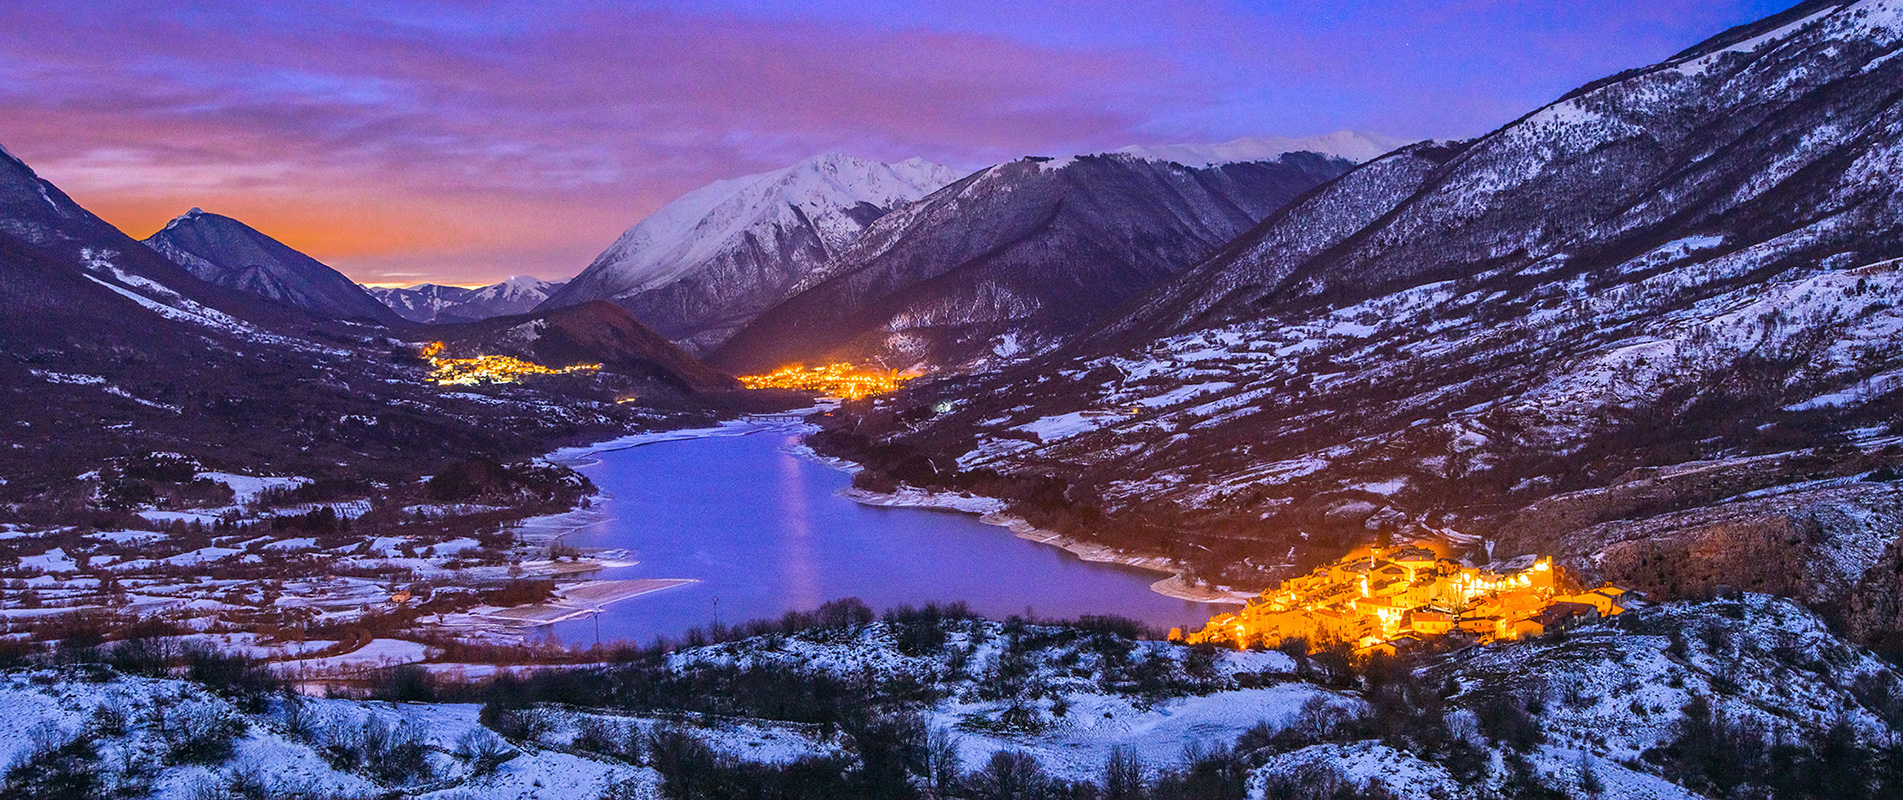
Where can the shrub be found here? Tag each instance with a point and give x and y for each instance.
(483, 752)
(391, 754)
(405, 683)
(1009, 775)
(196, 731)
(56, 767)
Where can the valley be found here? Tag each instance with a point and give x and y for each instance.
(1562, 460)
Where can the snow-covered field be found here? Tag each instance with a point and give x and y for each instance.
(1605, 695)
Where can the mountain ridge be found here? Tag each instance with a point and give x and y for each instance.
(431, 303)
(1015, 257)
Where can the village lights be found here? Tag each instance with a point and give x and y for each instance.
(833, 380)
(1398, 598)
(487, 369)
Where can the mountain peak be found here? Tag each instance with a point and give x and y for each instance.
(732, 247)
(227, 252)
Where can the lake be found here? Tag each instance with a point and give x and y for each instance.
(763, 530)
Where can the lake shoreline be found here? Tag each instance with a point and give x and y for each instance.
(992, 511)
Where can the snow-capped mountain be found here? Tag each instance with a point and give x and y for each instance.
(224, 251)
(1651, 326)
(1357, 146)
(705, 264)
(1016, 257)
(430, 302)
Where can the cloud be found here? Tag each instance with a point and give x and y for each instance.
(474, 140)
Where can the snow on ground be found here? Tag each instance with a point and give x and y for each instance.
(200, 556)
(1064, 426)
(136, 720)
(246, 488)
(377, 654)
(54, 560)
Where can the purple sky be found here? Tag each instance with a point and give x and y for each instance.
(468, 141)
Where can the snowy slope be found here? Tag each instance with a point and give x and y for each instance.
(705, 263)
(1604, 704)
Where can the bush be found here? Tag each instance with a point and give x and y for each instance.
(391, 754)
(1207, 774)
(247, 681)
(1009, 775)
(1320, 782)
(56, 767)
(196, 731)
(1504, 720)
(483, 752)
(406, 683)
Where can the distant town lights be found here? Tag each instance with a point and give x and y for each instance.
(487, 369)
(833, 380)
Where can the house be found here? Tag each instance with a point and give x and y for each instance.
(1430, 622)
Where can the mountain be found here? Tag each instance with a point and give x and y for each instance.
(1356, 146)
(1649, 328)
(224, 251)
(1015, 257)
(108, 349)
(431, 302)
(705, 264)
(596, 332)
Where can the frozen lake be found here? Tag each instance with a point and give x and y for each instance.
(764, 531)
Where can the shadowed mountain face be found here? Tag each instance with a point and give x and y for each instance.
(227, 252)
(705, 264)
(431, 302)
(1609, 330)
(1014, 258)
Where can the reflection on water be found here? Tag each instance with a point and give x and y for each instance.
(764, 532)
(802, 580)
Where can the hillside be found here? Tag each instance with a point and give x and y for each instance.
(1727, 697)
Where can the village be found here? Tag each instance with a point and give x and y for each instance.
(445, 371)
(843, 381)
(1393, 600)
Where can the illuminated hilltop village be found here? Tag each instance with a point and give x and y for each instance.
(487, 369)
(1390, 600)
(832, 380)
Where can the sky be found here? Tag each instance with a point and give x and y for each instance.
(461, 141)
